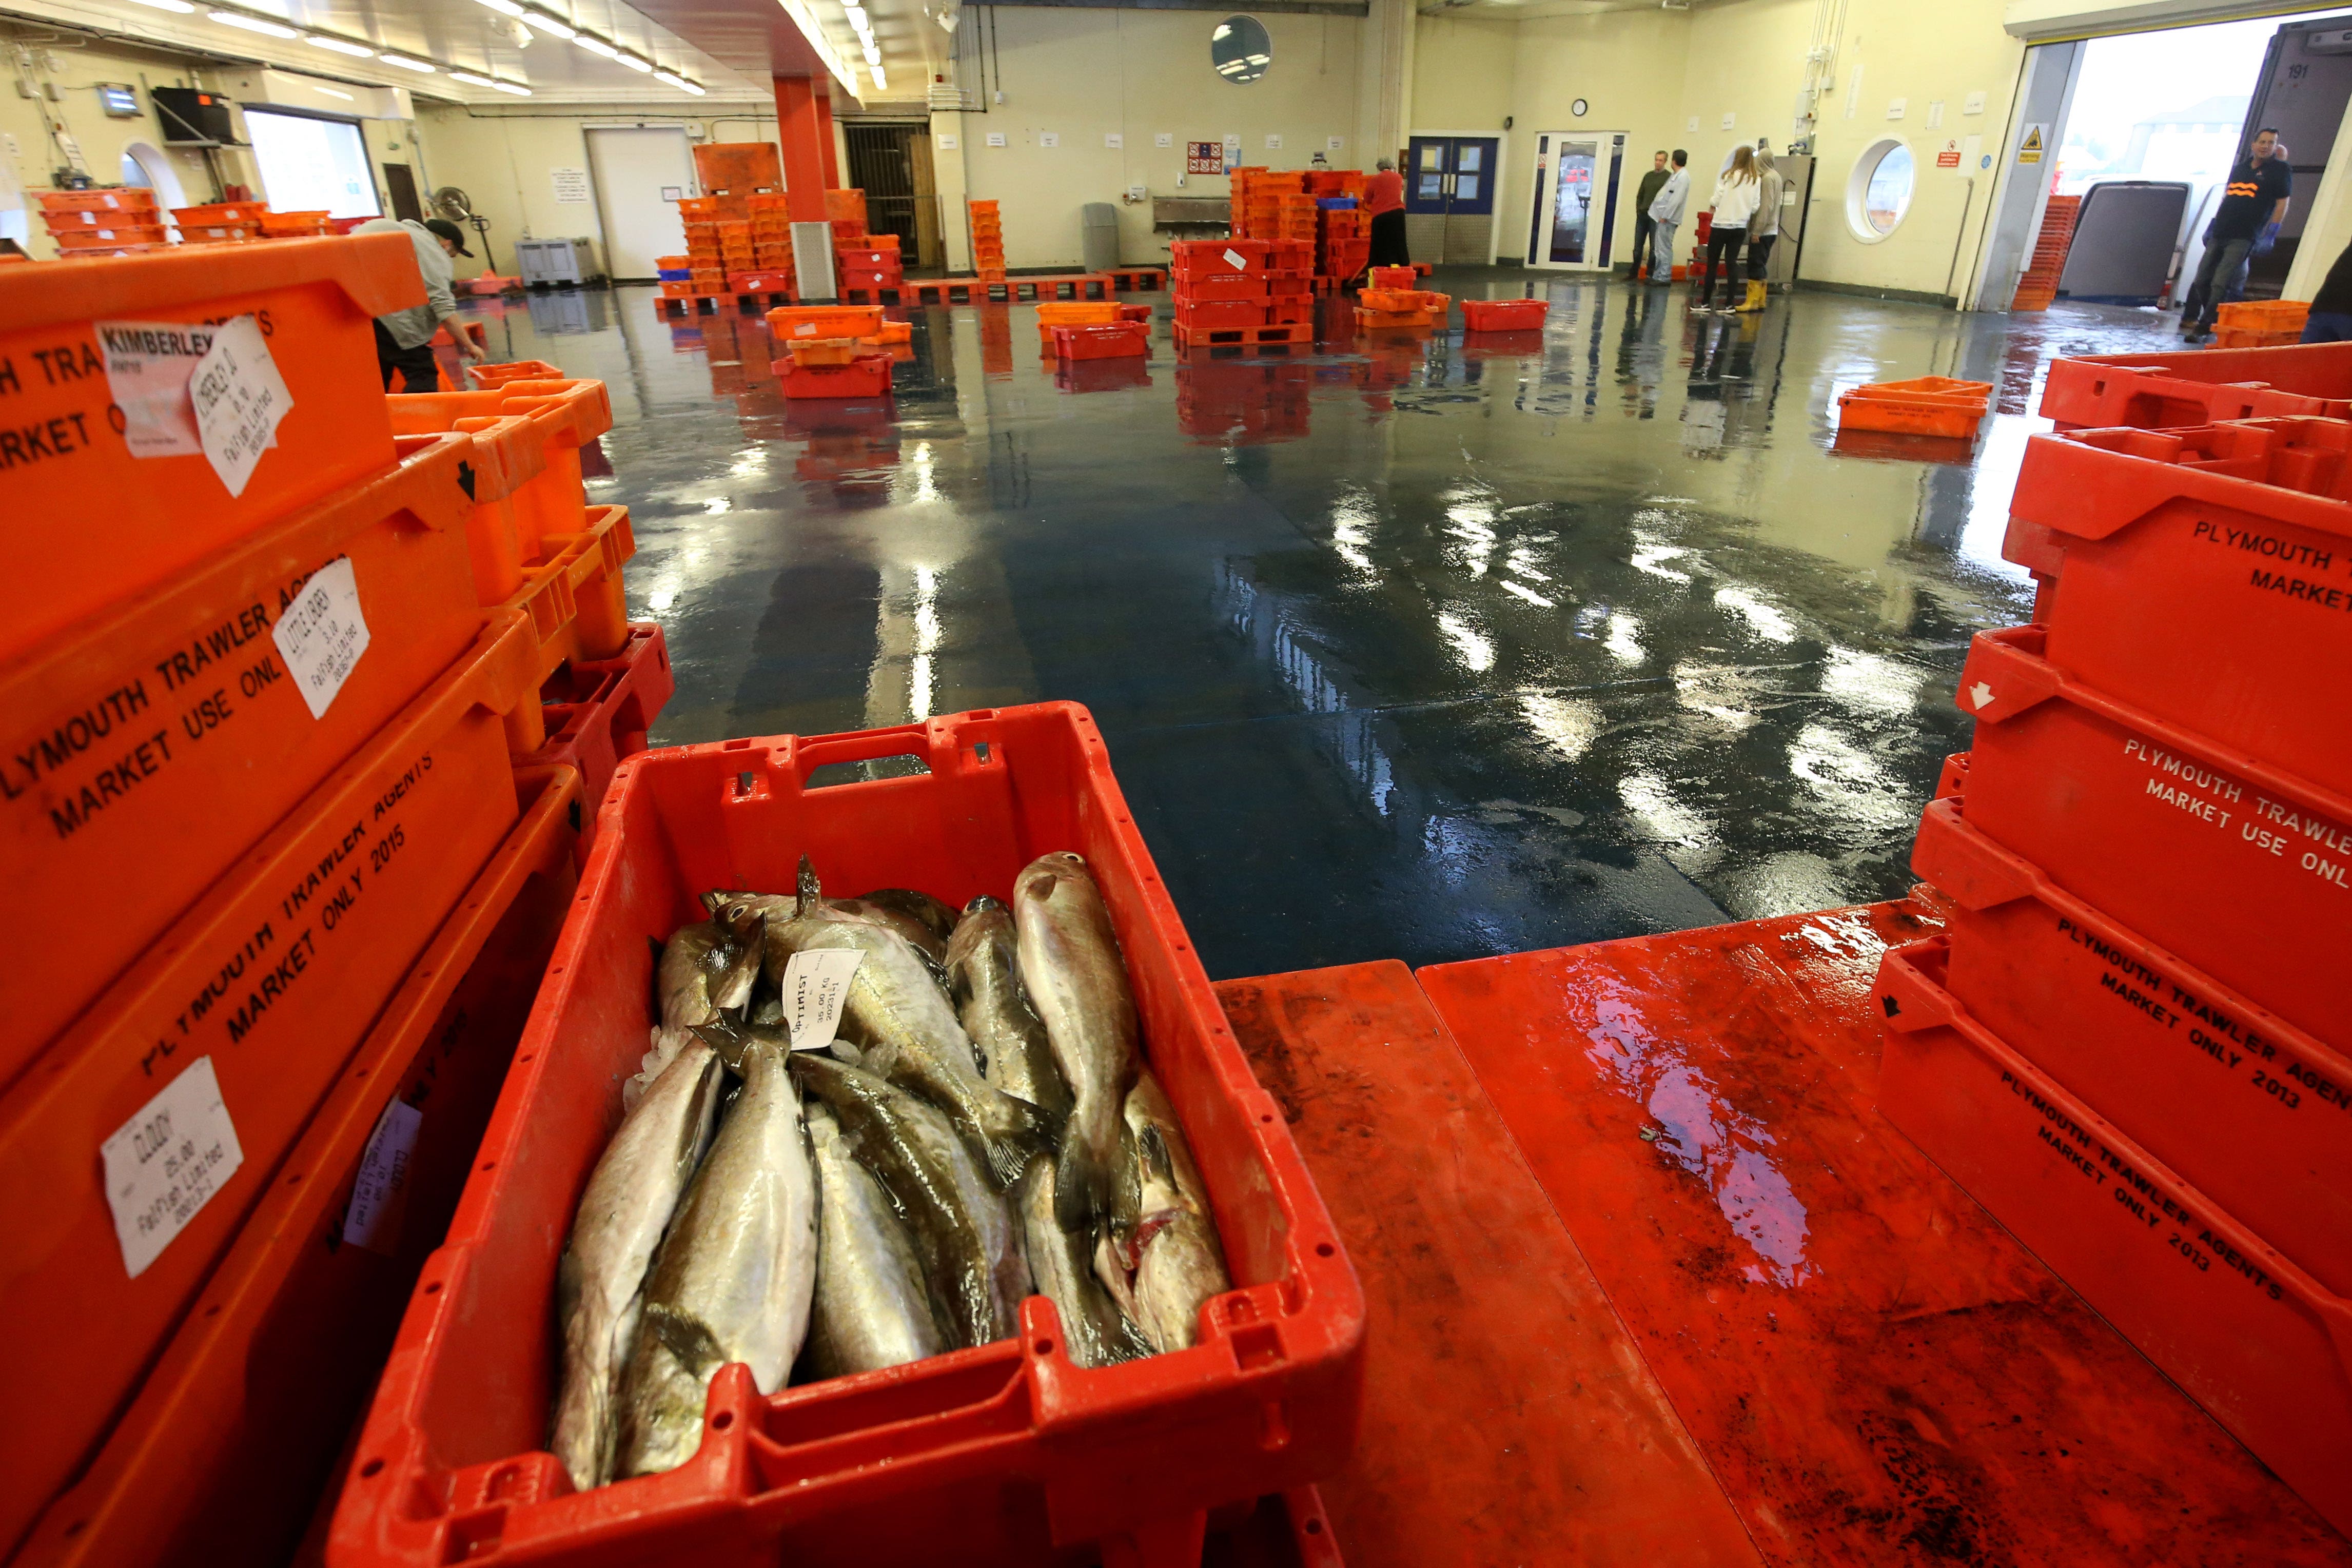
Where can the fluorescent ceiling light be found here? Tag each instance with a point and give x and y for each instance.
(633, 63)
(548, 25)
(513, 87)
(404, 63)
(470, 79)
(181, 6)
(254, 23)
(341, 47)
(879, 85)
(596, 45)
(872, 55)
(678, 82)
(503, 7)
(856, 12)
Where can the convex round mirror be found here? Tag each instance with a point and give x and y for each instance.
(1240, 49)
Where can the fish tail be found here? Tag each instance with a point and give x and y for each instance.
(810, 896)
(1082, 1187)
(1012, 1147)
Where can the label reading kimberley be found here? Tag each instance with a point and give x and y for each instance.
(148, 364)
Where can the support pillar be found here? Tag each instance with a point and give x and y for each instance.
(806, 142)
(828, 139)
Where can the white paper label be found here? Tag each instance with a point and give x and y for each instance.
(322, 634)
(815, 984)
(379, 1195)
(167, 1161)
(147, 368)
(946, 143)
(805, 330)
(1115, 139)
(240, 399)
(570, 184)
(1163, 138)
(1273, 142)
(1236, 260)
(1049, 139)
(996, 138)
(1333, 143)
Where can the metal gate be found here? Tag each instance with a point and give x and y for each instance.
(892, 164)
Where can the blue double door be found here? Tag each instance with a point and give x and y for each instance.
(1452, 178)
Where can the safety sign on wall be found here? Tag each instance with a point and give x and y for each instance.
(1948, 157)
(1204, 157)
(2029, 148)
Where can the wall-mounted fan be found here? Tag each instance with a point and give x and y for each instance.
(454, 204)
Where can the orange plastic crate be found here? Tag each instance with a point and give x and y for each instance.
(107, 238)
(738, 167)
(235, 1430)
(822, 350)
(124, 199)
(789, 323)
(568, 414)
(2266, 315)
(162, 514)
(267, 985)
(301, 223)
(1926, 405)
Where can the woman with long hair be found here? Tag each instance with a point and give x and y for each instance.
(1736, 195)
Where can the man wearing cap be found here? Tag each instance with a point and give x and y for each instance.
(404, 339)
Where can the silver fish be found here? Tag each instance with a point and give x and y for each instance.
(872, 1307)
(1070, 963)
(958, 1223)
(1063, 1267)
(1170, 1258)
(985, 980)
(708, 966)
(628, 1203)
(736, 1275)
(901, 1021)
(913, 915)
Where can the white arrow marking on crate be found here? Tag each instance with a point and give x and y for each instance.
(373, 1220)
(1980, 694)
(815, 984)
(167, 1161)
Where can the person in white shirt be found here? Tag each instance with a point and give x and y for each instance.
(1736, 195)
(1665, 217)
(1764, 227)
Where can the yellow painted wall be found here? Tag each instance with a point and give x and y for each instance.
(1083, 74)
(1628, 66)
(501, 160)
(31, 157)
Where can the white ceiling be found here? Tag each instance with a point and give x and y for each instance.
(467, 35)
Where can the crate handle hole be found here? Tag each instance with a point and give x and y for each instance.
(1044, 1347)
(433, 1288)
(872, 770)
(723, 1420)
(1324, 1249)
(490, 1164)
(371, 1469)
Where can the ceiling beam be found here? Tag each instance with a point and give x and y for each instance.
(1307, 7)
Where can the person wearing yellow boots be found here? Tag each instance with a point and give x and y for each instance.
(1763, 227)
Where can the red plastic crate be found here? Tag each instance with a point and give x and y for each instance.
(597, 712)
(2236, 531)
(1008, 1451)
(2242, 1330)
(1116, 340)
(1504, 315)
(1289, 308)
(221, 1456)
(271, 977)
(1204, 286)
(2201, 386)
(1220, 315)
(1393, 277)
(871, 277)
(1923, 405)
(2254, 1112)
(2238, 869)
(1223, 257)
(866, 376)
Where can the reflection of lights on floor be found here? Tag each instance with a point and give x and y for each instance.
(919, 683)
(1568, 724)
(1351, 524)
(717, 506)
(1658, 813)
(1870, 684)
(1847, 780)
(1624, 643)
(1470, 644)
(1764, 619)
(1720, 691)
(1529, 594)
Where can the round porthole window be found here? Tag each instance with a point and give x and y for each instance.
(1240, 49)
(1878, 192)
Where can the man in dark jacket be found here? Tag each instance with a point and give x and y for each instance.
(1644, 240)
(2330, 320)
(2253, 206)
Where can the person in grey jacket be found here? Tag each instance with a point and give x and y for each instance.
(404, 339)
(1763, 227)
(1665, 217)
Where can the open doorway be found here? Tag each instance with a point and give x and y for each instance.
(891, 163)
(1577, 177)
(2144, 132)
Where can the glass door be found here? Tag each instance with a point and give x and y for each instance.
(1451, 175)
(1575, 223)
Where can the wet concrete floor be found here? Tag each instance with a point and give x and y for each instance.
(1429, 648)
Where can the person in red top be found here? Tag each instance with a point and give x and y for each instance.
(1384, 200)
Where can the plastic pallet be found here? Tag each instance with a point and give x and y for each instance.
(1285, 334)
(2255, 1340)
(1123, 1458)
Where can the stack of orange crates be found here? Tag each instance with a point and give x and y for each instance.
(987, 241)
(2037, 287)
(833, 350)
(1242, 293)
(2132, 1040)
(772, 234)
(289, 687)
(864, 263)
(1239, 180)
(121, 220)
(1343, 241)
(219, 222)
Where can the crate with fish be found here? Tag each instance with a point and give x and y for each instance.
(623, 1350)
